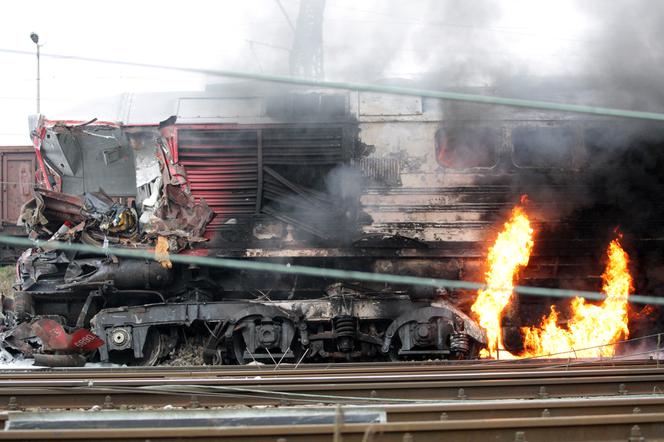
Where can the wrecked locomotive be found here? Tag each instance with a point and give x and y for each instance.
(364, 181)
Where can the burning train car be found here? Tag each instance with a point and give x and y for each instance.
(362, 181)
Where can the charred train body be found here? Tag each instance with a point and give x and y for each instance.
(360, 181)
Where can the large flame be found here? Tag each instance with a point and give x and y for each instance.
(590, 329)
(590, 326)
(510, 252)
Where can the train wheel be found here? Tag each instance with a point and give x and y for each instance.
(241, 358)
(393, 354)
(238, 348)
(153, 350)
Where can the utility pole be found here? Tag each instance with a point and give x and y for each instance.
(35, 39)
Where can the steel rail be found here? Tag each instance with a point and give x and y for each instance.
(468, 409)
(612, 427)
(286, 378)
(220, 392)
(316, 369)
(502, 409)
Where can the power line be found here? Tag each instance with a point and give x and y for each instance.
(269, 45)
(410, 21)
(17, 98)
(413, 20)
(365, 87)
(286, 16)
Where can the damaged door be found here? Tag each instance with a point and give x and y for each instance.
(18, 177)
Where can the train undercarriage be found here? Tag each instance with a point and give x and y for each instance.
(146, 325)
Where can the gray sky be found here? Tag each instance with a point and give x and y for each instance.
(364, 41)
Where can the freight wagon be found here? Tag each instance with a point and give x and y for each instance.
(17, 178)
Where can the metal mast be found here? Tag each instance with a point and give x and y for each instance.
(306, 59)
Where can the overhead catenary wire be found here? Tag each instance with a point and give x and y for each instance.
(353, 275)
(369, 87)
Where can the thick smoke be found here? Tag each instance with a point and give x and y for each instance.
(626, 58)
(616, 61)
(414, 40)
(376, 40)
(446, 44)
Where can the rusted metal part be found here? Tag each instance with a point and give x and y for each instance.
(54, 337)
(60, 360)
(17, 337)
(124, 274)
(177, 214)
(49, 207)
(61, 206)
(109, 216)
(62, 348)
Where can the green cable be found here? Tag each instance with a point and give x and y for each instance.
(262, 266)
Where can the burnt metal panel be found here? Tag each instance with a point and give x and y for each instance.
(307, 107)
(377, 104)
(226, 107)
(63, 152)
(305, 146)
(108, 163)
(226, 165)
(90, 158)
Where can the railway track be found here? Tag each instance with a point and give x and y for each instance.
(314, 369)
(275, 387)
(420, 402)
(632, 427)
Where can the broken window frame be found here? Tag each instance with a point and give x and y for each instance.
(497, 146)
(574, 152)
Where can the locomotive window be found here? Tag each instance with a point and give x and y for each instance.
(544, 147)
(461, 148)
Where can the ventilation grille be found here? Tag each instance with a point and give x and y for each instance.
(385, 171)
(302, 146)
(222, 167)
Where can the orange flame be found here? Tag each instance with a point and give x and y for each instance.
(590, 325)
(510, 252)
